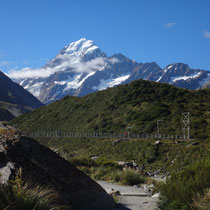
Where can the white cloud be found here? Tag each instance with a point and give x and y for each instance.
(29, 73)
(88, 66)
(113, 60)
(169, 25)
(79, 67)
(206, 34)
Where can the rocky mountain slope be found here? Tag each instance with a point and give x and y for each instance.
(82, 68)
(136, 106)
(14, 99)
(41, 166)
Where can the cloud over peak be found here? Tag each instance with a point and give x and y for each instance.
(78, 67)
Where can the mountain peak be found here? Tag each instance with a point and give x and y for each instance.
(76, 52)
(82, 46)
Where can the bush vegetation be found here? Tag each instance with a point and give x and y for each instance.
(137, 105)
(131, 177)
(181, 189)
(109, 170)
(166, 156)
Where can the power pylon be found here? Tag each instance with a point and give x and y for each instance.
(186, 125)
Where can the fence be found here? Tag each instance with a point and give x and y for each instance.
(102, 135)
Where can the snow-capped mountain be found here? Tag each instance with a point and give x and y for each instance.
(181, 75)
(82, 68)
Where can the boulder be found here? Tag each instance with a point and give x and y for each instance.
(42, 166)
(118, 141)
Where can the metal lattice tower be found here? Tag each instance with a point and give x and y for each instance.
(186, 125)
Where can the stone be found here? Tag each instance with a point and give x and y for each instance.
(6, 172)
(194, 143)
(94, 157)
(141, 167)
(113, 192)
(118, 141)
(41, 166)
(156, 195)
(157, 142)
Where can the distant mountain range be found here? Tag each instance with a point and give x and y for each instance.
(82, 68)
(14, 99)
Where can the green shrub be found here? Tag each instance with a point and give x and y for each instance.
(131, 177)
(100, 173)
(180, 189)
(116, 176)
(83, 161)
(107, 163)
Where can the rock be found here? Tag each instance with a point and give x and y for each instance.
(132, 165)
(151, 186)
(194, 143)
(179, 141)
(121, 163)
(94, 157)
(157, 142)
(157, 172)
(156, 195)
(6, 172)
(135, 164)
(150, 173)
(113, 192)
(43, 167)
(141, 167)
(118, 141)
(145, 187)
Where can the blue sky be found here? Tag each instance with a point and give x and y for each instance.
(165, 31)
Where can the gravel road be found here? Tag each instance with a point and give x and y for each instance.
(132, 197)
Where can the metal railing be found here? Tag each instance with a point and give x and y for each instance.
(102, 135)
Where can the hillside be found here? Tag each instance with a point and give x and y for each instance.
(15, 99)
(136, 106)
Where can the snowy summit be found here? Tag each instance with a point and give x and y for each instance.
(82, 68)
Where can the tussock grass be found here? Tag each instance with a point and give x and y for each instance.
(17, 195)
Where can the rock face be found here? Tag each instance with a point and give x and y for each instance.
(42, 166)
(82, 68)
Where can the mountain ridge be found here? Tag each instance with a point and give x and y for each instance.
(81, 68)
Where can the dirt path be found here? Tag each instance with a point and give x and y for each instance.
(132, 197)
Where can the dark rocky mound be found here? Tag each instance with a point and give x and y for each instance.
(41, 166)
